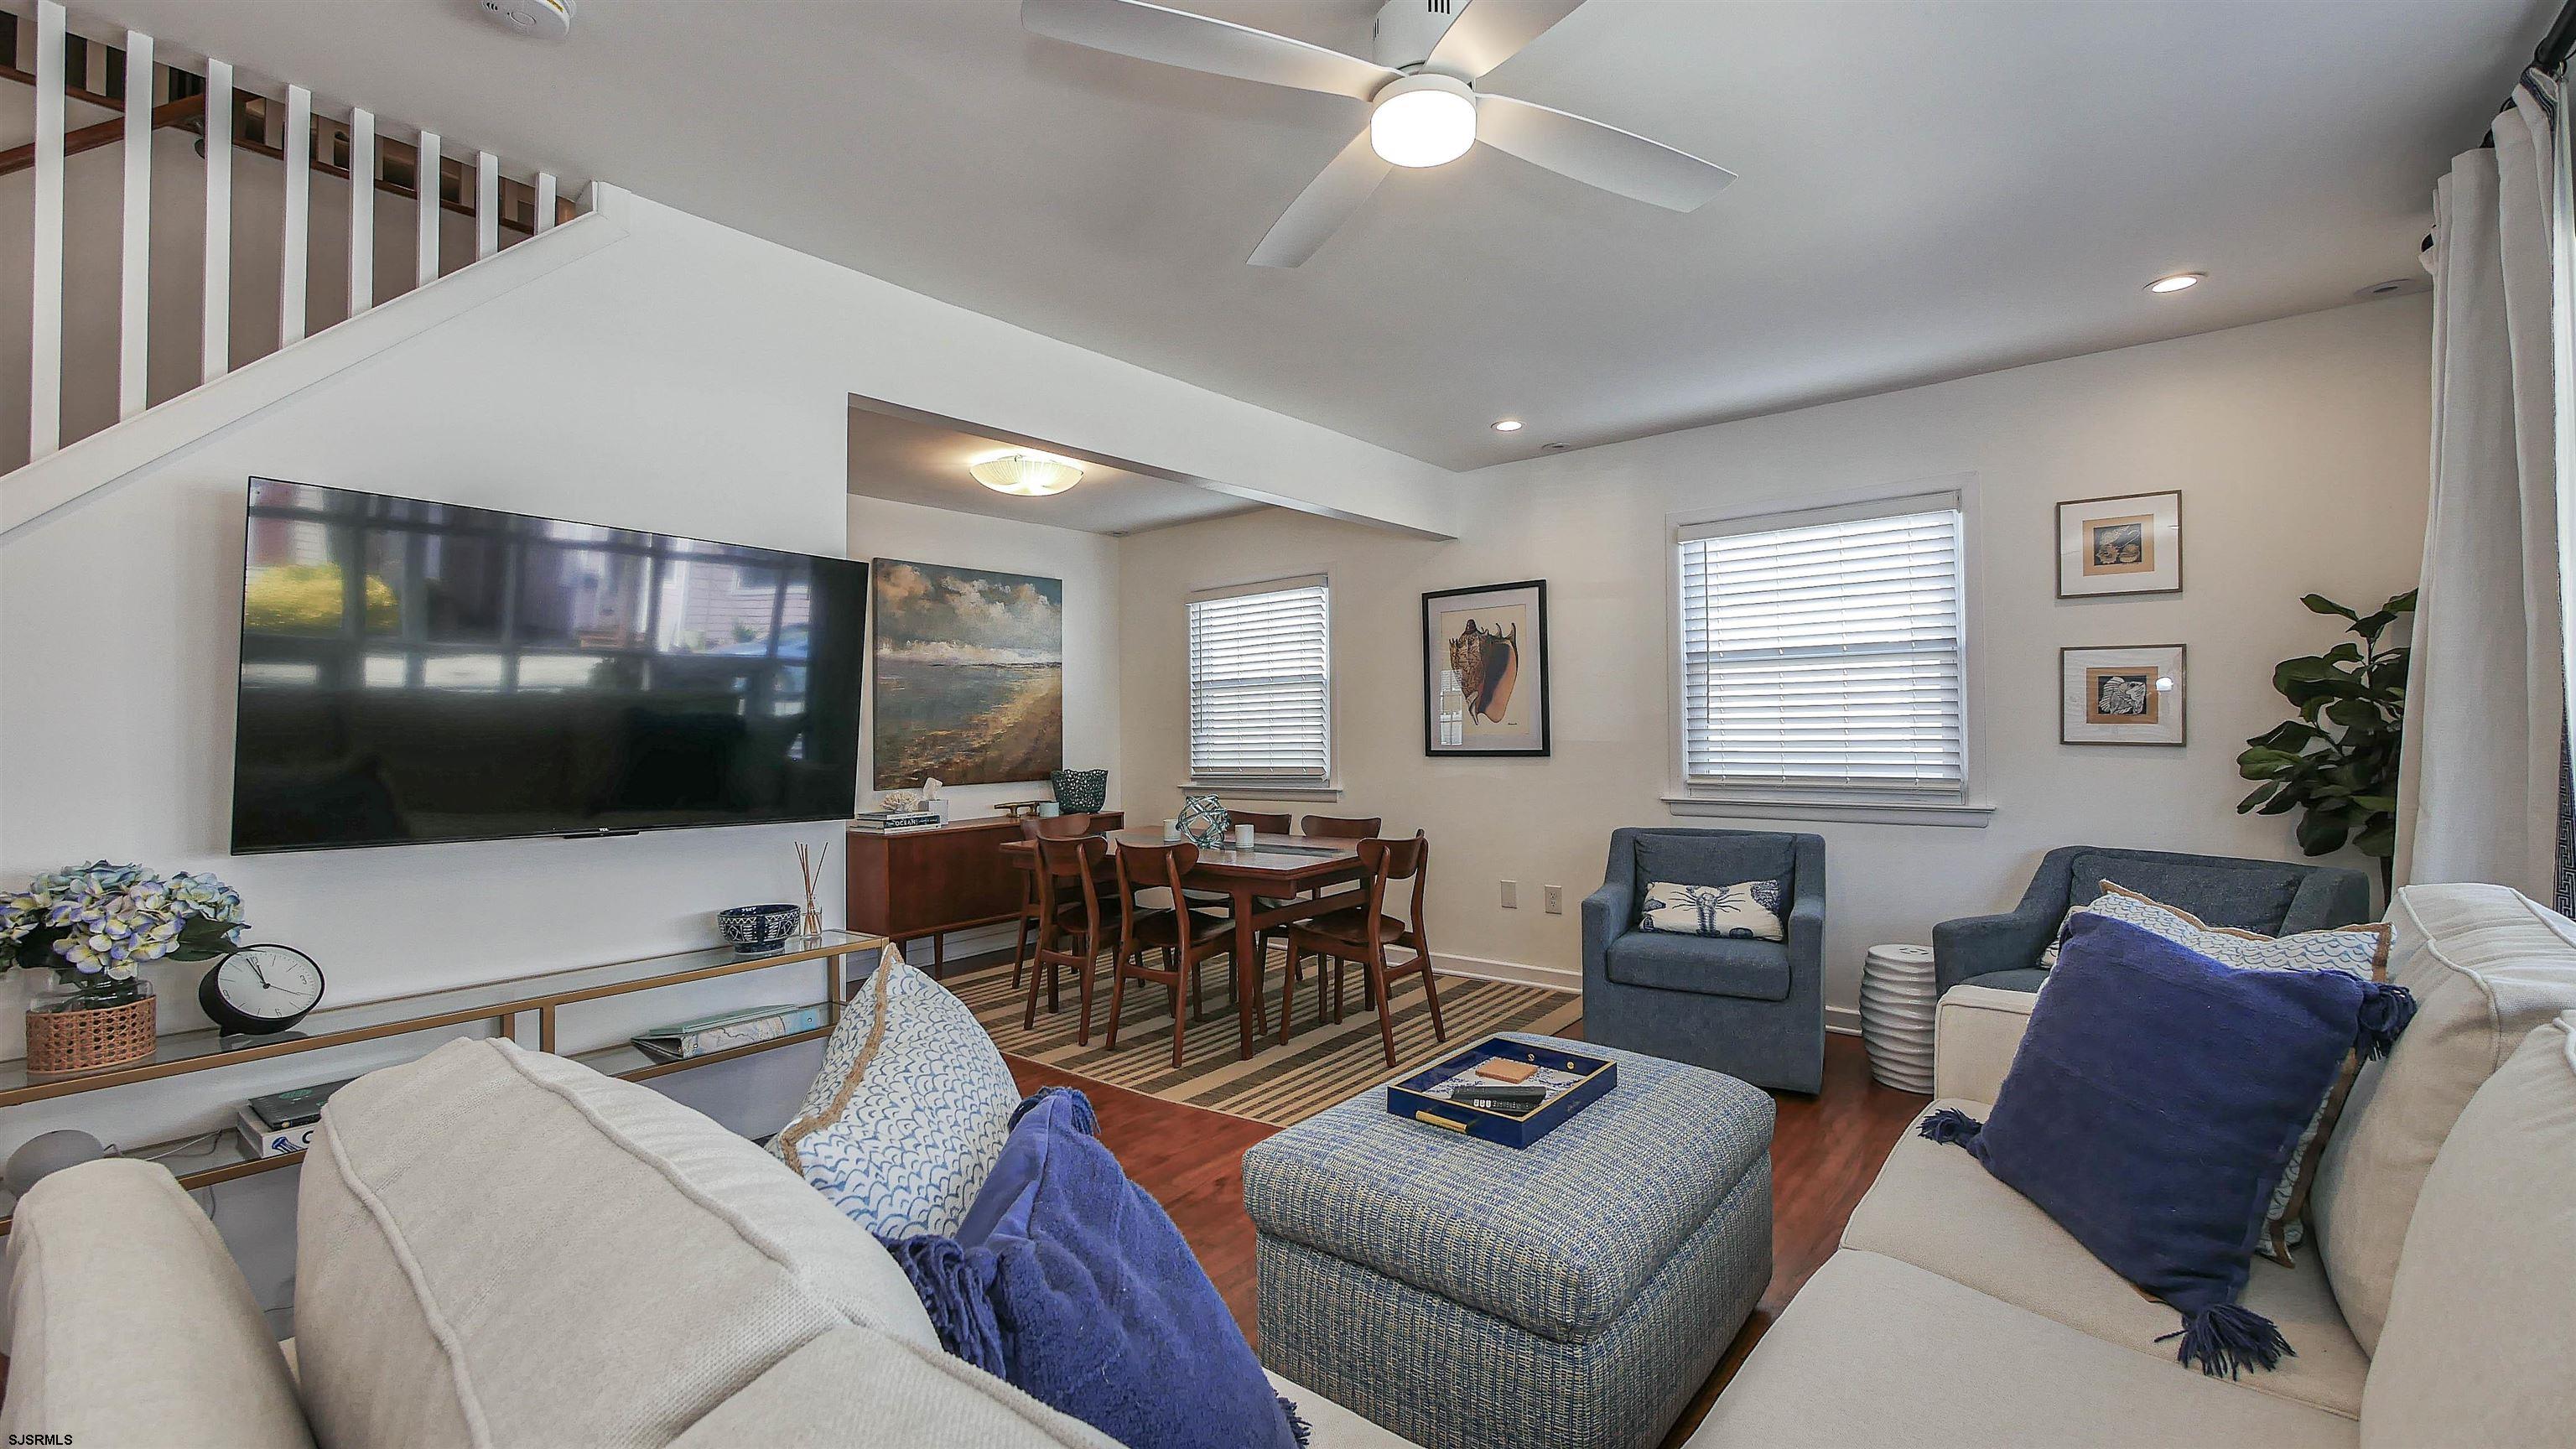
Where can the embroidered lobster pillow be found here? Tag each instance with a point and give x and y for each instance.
(1749, 911)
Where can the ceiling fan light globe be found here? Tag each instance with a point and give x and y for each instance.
(1423, 120)
(1025, 475)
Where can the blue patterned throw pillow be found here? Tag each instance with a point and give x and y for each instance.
(2157, 1097)
(910, 1110)
(2358, 951)
(1750, 910)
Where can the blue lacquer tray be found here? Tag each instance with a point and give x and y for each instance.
(1411, 1099)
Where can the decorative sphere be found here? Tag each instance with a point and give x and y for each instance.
(46, 1154)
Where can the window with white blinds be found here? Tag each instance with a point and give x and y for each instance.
(1822, 651)
(1261, 683)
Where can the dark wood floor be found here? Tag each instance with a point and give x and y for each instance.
(1823, 1154)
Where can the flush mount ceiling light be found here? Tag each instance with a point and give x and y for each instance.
(1025, 475)
(2178, 282)
(1425, 119)
(1507, 425)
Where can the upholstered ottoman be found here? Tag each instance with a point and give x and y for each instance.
(1570, 1295)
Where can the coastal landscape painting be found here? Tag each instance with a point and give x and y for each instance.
(969, 674)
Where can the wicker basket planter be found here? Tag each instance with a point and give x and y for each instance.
(82, 1040)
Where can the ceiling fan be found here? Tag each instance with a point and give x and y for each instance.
(1425, 107)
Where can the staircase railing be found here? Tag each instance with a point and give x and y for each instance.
(72, 70)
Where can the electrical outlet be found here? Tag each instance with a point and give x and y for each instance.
(1511, 895)
(1555, 900)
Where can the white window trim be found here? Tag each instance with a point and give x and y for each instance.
(1682, 797)
(1276, 787)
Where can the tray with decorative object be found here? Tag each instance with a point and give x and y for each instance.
(1502, 1090)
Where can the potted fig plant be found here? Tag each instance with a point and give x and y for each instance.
(2336, 763)
(94, 926)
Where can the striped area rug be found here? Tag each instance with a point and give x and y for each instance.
(1280, 1085)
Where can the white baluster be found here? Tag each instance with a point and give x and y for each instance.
(216, 352)
(362, 211)
(299, 185)
(425, 181)
(45, 362)
(545, 201)
(487, 204)
(134, 316)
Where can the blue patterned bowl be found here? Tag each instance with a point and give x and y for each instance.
(755, 929)
(1080, 792)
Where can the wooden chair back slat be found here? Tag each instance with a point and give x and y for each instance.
(1151, 867)
(1069, 863)
(1059, 827)
(1262, 824)
(1383, 861)
(1342, 827)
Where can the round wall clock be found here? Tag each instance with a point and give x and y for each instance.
(259, 989)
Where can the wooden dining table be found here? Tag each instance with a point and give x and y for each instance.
(1264, 889)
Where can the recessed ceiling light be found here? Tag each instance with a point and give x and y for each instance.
(2178, 282)
(1507, 425)
(1027, 475)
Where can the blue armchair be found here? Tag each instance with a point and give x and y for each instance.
(2274, 897)
(1751, 1009)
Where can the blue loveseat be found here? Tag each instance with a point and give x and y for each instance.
(2274, 897)
(1754, 1010)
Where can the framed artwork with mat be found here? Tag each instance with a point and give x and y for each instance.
(2128, 544)
(2121, 696)
(1484, 670)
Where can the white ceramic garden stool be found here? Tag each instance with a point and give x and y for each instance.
(1896, 996)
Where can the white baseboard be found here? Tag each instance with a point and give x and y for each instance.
(1842, 1020)
(1546, 978)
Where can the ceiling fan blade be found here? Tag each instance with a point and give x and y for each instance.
(1598, 155)
(1493, 31)
(1196, 42)
(1323, 206)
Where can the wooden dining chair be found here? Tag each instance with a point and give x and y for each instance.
(1069, 909)
(1262, 824)
(1362, 935)
(1184, 938)
(1052, 827)
(1339, 827)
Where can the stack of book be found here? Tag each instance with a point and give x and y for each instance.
(283, 1122)
(712, 1034)
(888, 821)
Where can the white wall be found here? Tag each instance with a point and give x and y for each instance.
(2299, 447)
(686, 379)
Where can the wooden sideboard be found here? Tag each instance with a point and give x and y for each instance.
(910, 884)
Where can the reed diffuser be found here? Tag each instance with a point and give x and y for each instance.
(809, 864)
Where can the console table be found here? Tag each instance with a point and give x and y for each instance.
(500, 1002)
(905, 885)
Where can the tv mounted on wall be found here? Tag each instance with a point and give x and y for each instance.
(415, 672)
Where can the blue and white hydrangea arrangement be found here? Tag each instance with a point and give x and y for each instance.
(94, 925)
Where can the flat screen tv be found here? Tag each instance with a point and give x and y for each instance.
(417, 672)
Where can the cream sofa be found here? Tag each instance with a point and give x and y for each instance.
(500, 1247)
(2436, 1308)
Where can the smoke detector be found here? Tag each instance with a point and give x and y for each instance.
(536, 19)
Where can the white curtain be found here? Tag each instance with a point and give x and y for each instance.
(2478, 794)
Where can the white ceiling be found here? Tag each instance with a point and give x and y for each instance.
(911, 461)
(1927, 188)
